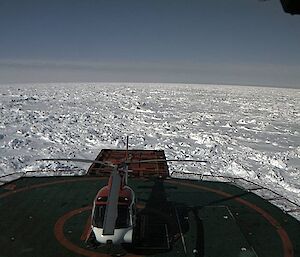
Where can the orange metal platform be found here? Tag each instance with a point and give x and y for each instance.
(136, 169)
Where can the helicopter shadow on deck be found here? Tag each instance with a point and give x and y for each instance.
(160, 223)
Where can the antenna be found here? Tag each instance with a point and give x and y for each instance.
(127, 142)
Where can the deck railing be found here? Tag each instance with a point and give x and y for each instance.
(7, 178)
(268, 194)
(287, 205)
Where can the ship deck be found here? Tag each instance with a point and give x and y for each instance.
(49, 216)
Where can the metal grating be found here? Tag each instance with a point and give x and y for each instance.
(156, 169)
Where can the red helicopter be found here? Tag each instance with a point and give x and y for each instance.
(114, 213)
(114, 208)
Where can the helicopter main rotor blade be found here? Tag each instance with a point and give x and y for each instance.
(125, 162)
(162, 160)
(111, 212)
(79, 160)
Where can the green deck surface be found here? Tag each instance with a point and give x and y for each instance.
(216, 219)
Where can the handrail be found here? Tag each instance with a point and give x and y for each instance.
(257, 188)
(228, 178)
(10, 174)
(24, 173)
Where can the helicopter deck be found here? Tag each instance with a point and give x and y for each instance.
(50, 217)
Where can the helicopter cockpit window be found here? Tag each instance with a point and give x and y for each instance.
(123, 218)
(98, 218)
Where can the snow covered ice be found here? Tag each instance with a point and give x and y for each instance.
(248, 132)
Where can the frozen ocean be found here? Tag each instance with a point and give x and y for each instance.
(243, 132)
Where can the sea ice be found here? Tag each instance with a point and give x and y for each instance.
(249, 132)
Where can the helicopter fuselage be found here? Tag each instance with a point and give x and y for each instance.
(125, 219)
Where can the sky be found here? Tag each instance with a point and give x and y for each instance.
(246, 42)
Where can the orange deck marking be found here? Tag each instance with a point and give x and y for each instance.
(10, 187)
(23, 189)
(288, 249)
(87, 229)
(60, 236)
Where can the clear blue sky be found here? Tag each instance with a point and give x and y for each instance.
(212, 41)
